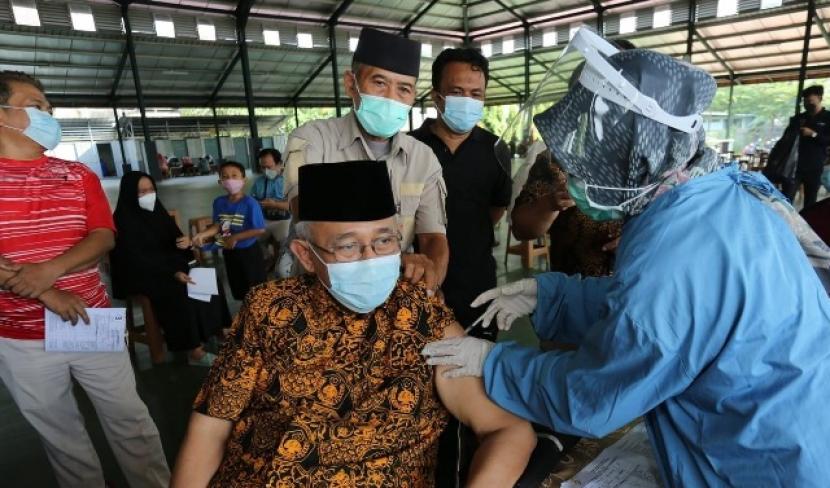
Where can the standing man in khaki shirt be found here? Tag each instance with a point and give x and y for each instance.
(381, 85)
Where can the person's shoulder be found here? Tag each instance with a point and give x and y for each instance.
(420, 153)
(73, 167)
(278, 301)
(315, 128)
(249, 200)
(422, 132)
(485, 135)
(411, 293)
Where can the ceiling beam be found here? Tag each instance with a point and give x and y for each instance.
(225, 74)
(713, 53)
(408, 27)
(119, 72)
(339, 11)
(311, 77)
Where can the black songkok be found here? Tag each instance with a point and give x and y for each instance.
(353, 191)
(388, 51)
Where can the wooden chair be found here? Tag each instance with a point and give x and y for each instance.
(528, 250)
(175, 214)
(149, 332)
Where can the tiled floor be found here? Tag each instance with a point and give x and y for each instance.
(167, 389)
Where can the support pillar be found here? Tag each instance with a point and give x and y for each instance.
(805, 52)
(150, 165)
(218, 138)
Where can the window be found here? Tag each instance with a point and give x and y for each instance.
(271, 37)
(353, 44)
(448, 46)
(508, 46)
(628, 23)
(426, 50)
(82, 18)
(165, 27)
(727, 7)
(305, 40)
(487, 49)
(770, 3)
(549, 38)
(662, 16)
(207, 31)
(25, 13)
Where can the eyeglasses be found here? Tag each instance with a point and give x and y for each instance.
(352, 250)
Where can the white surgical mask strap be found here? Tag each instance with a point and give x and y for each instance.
(643, 191)
(18, 129)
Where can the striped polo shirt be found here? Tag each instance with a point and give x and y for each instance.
(47, 206)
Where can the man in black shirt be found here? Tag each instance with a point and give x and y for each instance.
(478, 193)
(813, 126)
(478, 184)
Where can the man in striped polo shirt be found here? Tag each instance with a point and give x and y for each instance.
(55, 225)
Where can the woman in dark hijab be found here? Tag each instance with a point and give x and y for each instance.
(151, 258)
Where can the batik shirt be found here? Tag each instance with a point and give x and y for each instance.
(322, 396)
(575, 240)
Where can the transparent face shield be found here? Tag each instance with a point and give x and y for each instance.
(584, 107)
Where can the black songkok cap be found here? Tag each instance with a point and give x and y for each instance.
(353, 191)
(388, 51)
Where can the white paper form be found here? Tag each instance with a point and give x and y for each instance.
(628, 463)
(206, 284)
(106, 331)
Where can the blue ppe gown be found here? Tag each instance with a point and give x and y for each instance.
(714, 327)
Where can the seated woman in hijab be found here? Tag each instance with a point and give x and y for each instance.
(151, 258)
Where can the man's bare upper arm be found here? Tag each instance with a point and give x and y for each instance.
(466, 399)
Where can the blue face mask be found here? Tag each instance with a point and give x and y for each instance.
(461, 114)
(379, 116)
(43, 128)
(362, 286)
(576, 188)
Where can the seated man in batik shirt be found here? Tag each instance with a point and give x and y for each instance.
(322, 382)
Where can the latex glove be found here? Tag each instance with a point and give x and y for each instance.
(467, 354)
(509, 302)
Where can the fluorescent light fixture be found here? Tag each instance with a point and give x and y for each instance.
(574, 28)
(305, 40)
(271, 37)
(207, 32)
(487, 49)
(82, 19)
(727, 7)
(165, 27)
(25, 13)
(628, 23)
(662, 16)
(549, 38)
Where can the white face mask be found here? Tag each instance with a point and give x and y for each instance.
(147, 202)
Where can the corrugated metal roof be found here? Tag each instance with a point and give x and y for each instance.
(80, 68)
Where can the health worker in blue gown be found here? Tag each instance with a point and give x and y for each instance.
(714, 327)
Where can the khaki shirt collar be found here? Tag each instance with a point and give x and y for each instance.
(350, 133)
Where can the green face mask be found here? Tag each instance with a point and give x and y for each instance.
(381, 117)
(576, 188)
